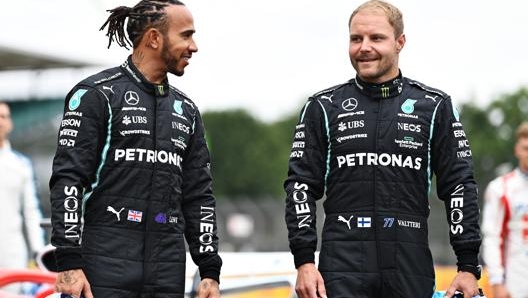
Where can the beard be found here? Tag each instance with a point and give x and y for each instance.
(170, 61)
(374, 73)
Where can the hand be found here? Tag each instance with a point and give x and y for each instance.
(310, 283)
(500, 291)
(208, 288)
(464, 282)
(73, 282)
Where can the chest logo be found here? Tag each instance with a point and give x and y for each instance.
(132, 98)
(349, 104)
(408, 106)
(178, 107)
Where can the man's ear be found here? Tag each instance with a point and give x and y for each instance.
(400, 42)
(153, 38)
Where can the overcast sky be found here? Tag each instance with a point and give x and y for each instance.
(268, 56)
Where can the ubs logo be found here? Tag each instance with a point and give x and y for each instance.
(349, 104)
(134, 119)
(132, 98)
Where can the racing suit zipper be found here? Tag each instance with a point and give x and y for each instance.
(148, 248)
(377, 111)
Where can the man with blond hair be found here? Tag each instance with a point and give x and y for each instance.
(371, 146)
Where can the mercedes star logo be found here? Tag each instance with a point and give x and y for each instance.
(349, 104)
(132, 98)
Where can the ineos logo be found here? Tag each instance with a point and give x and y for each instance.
(132, 98)
(349, 104)
(456, 216)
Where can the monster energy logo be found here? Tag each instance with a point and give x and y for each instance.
(384, 91)
(161, 89)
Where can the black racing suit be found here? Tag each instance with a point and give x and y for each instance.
(132, 161)
(372, 150)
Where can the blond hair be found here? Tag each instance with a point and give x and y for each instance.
(522, 130)
(394, 15)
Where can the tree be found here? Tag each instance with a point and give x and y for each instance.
(491, 132)
(249, 157)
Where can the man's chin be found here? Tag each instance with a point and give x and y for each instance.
(176, 72)
(368, 76)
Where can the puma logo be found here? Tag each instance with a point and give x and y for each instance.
(109, 88)
(111, 209)
(342, 219)
(431, 97)
(327, 97)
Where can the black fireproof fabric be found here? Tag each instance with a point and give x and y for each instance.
(372, 151)
(133, 164)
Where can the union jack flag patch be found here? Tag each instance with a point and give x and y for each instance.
(134, 215)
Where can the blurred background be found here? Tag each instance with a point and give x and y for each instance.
(257, 63)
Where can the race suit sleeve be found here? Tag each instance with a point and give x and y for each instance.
(305, 182)
(199, 206)
(493, 218)
(453, 166)
(32, 211)
(79, 147)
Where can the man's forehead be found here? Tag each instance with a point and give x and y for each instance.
(523, 141)
(179, 13)
(370, 22)
(4, 109)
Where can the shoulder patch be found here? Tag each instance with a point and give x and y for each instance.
(75, 99)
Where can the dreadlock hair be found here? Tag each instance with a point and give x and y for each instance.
(144, 15)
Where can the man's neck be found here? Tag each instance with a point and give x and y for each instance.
(148, 68)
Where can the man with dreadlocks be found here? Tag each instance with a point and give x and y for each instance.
(133, 169)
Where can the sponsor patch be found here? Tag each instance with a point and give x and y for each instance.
(134, 215)
(75, 100)
(178, 107)
(364, 222)
(161, 218)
